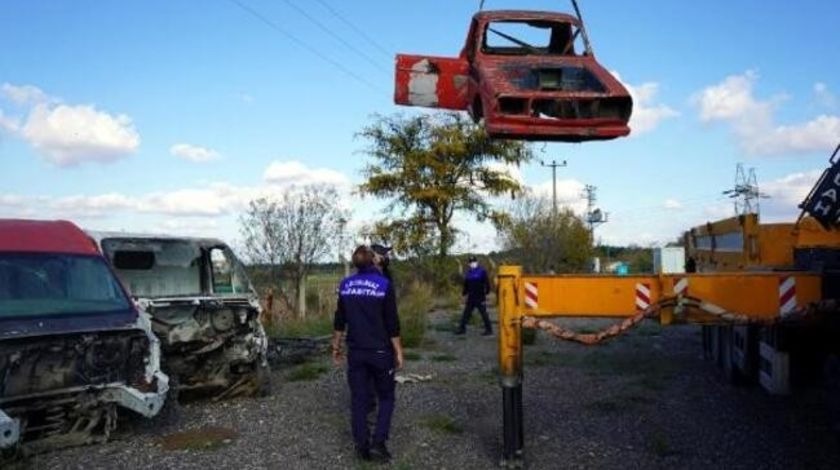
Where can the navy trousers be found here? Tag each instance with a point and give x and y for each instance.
(480, 304)
(371, 372)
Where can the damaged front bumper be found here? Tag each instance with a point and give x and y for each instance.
(147, 404)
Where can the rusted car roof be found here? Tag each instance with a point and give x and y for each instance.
(513, 15)
(44, 236)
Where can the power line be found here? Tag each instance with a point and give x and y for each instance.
(303, 44)
(335, 36)
(352, 26)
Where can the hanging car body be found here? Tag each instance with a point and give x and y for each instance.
(527, 75)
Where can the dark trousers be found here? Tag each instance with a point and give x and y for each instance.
(369, 373)
(480, 304)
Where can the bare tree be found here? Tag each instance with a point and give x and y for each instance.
(543, 240)
(290, 234)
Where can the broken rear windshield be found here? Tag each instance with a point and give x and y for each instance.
(156, 268)
(51, 284)
(531, 37)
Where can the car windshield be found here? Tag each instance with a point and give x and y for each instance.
(34, 285)
(156, 267)
(531, 37)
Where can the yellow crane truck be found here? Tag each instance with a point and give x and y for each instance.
(766, 296)
(798, 348)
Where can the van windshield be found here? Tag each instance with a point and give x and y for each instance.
(156, 267)
(33, 285)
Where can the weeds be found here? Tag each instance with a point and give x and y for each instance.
(412, 356)
(307, 371)
(444, 358)
(442, 424)
(314, 325)
(414, 308)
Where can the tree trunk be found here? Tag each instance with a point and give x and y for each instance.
(301, 291)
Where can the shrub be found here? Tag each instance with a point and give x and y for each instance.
(414, 307)
(311, 325)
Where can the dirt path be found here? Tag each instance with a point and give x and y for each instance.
(647, 400)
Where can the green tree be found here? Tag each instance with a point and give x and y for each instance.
(431, 167)
(541, 240)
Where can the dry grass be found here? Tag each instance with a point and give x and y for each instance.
(209, 438)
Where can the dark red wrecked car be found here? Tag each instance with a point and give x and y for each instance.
(528, 75)
(74, 348)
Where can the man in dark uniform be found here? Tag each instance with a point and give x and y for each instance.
(476, 288)
(367, 310)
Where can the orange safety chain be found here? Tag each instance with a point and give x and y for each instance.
(680, 303)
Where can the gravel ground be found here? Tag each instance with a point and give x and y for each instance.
(646, 400)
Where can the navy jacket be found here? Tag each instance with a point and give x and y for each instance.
(367, 309)
(476, 283)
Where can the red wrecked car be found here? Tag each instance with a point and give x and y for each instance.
(528, 75)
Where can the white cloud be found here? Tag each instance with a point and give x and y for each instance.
(569, 193)
(194, 202)
(647, 113)
(210, 200)
(672, 204)
(67, 135)
(70, 135)
(294, 173)
(246, 98)
(24, 95)
(753, 120)
(193, 153)
(823, 96)
(786, 193)
(8, 123)
(101, 205)
(193, 226)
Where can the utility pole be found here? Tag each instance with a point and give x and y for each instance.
(594, 216)
(553, 165)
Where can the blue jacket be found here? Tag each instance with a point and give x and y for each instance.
(476, 283)
(367, 310)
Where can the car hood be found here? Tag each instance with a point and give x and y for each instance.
(546, 74)
(68, 324)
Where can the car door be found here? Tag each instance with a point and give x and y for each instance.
(432, 82)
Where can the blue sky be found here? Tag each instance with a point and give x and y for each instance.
(169, 115)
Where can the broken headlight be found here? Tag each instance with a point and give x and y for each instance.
(223, 320)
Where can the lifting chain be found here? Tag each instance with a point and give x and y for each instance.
(588, 339)
(680, 303)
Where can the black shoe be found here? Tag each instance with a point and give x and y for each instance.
(363, 453)
(487, 333)
(379, 452)
(460, 331)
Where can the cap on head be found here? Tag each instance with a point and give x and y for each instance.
(472, 259)
(380, 250)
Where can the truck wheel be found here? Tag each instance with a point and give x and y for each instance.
(831, 377)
